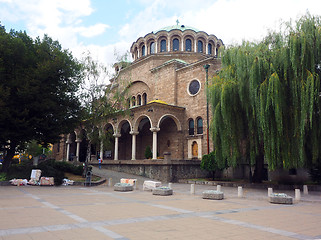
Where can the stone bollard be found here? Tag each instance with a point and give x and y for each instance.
(305, 190)
(110, 182)
(297, 194)
(219, 188)
(239, 192)
(192, 188)
(170, 185)
(270, 191)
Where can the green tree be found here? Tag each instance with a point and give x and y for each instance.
(38, 85)
(100, 100)
(266, 100)
(210, 163)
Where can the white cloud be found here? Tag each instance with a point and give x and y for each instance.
(92, 31)
(230, 20)
(236, 20)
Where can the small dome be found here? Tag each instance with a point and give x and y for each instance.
(158, 101)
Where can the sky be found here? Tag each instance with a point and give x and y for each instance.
(107, 28)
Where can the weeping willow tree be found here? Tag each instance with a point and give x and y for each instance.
(266, 100)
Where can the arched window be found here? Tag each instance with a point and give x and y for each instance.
(200, 46)
(191, 127)
(139, 100)
(143, 51)
(200, 126)
(163, 45)
(133, 101)
(188, 45)
(217, 48)
(175, 44)
(128, 102)
(144, 99)
(152, 48)
(209, 49)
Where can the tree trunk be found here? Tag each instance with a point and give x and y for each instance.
(259, 173)
(8, 157)
(213, 175)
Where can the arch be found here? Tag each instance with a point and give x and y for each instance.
(133, 101)
(200, 45)
(188, 45)
(83, 145)
(144, 98)
(139, 100)
(109, 145)
(175, 44)
(143, 50)
(120, 124)
(109, 125)
(124, 140)
(177, 122)
(73, 145)
(163, 45)
(209, 49)
(152, 48)
(191, 127)
(194, 149)
(138, 120)
(199, 125)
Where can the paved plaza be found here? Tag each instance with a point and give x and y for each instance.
(74, 212)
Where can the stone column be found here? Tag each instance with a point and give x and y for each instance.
(116, 145)
(154, 130)
(68, 149)
(133, 144)
(101, 152)
(78, 141)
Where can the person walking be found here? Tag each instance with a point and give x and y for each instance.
(99, 162)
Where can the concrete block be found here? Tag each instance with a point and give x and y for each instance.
(163, 191)
(280, 198)
(123, 187)
(212, 194)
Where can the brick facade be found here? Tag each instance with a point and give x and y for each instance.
(160, 102)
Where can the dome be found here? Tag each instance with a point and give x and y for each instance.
(177, 27)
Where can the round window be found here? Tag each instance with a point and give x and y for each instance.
(194, 87)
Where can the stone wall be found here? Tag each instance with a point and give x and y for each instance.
(160, 170)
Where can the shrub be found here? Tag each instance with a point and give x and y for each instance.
(3, 177)
(22, 170)
(210, 163)
(148, 152)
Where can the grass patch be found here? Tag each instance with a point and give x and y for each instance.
(78, 178)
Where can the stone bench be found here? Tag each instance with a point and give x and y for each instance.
(123, 187)
(280, 198)
(163, 191)
(150, 185)
(213, 194)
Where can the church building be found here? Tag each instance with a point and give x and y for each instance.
(166, 96)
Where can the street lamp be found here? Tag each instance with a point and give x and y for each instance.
(206, 67)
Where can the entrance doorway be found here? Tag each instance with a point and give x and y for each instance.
(195, 150)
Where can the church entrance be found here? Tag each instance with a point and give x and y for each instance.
(195, 150)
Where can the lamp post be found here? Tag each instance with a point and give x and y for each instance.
(206, 66)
